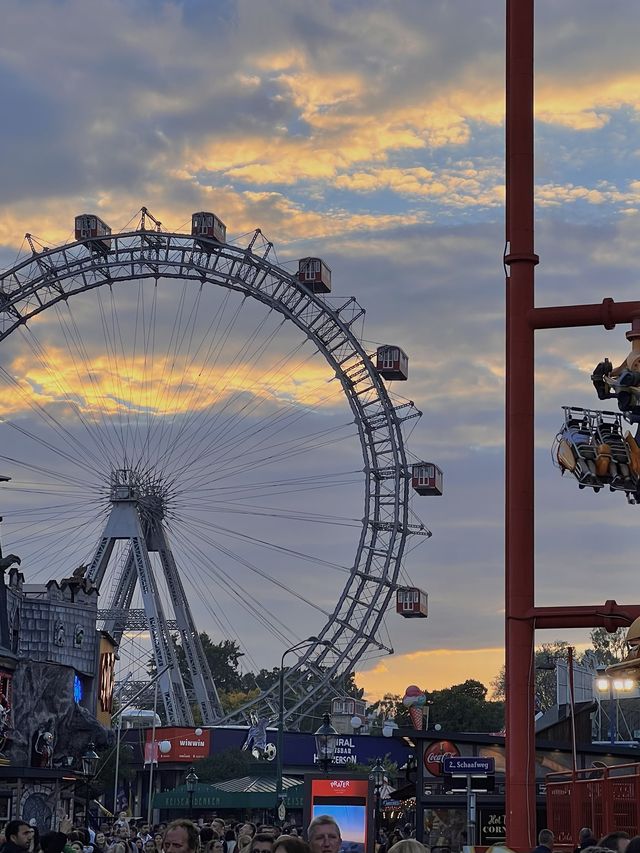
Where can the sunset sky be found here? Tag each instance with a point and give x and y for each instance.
(369, 133)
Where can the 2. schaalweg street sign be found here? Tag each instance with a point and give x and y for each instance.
(469, 764)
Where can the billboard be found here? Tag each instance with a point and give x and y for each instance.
(177, 744)
(350, 802)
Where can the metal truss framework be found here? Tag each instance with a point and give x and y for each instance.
(354, 626)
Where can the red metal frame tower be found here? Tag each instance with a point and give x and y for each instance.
(522, 615)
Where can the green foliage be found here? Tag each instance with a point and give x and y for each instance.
(230, 764)
(462, 707)
(609, 648)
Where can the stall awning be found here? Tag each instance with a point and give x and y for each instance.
(248, 792)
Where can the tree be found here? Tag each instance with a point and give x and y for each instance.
(230, 764)
(545, 674)
(464, 708)
(609, 648)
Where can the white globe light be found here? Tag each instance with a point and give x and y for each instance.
(356, 722)
(388, 728)
(164, 746)
(437, 727)
(198, 731)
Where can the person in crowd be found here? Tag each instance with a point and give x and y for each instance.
(262, 842)
(215, 845)
(144, 834)
(618, 841)
(408, 845)
(634, 845)
(545, 842)
(149, 846)
(585, 839)
(229, 840)
(157, 840)
(324, 835)
(181, 836)
(18, 836)
(99, 842)
(53, 842)
(243, 844)
(291, 844)
(246, 828)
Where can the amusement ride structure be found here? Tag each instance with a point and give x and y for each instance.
(171, 376)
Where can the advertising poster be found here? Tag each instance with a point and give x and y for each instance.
(349, 802)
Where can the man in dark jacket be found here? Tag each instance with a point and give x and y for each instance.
(19, 836)
(585, 839)
(545, 842)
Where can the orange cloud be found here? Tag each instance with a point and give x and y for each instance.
(431, 669)
(177, 385)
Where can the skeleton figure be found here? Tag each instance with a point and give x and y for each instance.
(44, 748)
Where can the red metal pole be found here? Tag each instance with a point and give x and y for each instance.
(519, 541)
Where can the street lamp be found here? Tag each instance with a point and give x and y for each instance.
(89, 760)
(326, 737)
(191, 781)
(280, 746)
(605, 683)
(377, 774)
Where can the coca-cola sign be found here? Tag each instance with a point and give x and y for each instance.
(436, 753)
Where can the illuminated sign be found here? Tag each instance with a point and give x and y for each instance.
(106, 681)
(348, 801)
(435, 753)
(78, 690)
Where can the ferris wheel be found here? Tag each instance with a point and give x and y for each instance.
(197, 425)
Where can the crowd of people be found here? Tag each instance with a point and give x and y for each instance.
(618, 842)
(185, 836)
(223, 836)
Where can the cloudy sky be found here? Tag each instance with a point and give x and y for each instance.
(369, 133)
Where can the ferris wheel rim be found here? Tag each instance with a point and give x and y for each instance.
(142, 254)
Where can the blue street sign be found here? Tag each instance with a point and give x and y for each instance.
(469, 764)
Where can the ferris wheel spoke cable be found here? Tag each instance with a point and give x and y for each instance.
(242, 362)
(59, 430)
(264, 575)
(73, 334)
(186, 333)
(113, 374)
(253, 464)
(284, 417)
(157, 430)
(40, 354)
(220, 617)
(238, 508)
(228, 584)
(234, 534)
(56, 450)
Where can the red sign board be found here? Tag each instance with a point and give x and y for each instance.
(435, 754)
(348, 802)
(177, 744)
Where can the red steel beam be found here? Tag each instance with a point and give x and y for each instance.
(608, 615)
(606, 313)
(519, 540)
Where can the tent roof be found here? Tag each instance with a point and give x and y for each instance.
(248, 792)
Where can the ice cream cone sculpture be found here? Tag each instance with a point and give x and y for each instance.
(414, 699)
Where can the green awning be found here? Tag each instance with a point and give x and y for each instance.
(249, 792)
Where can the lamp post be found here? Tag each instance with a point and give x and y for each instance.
(377, 774)
(89, 760)
(326, 743)
(280, 745)
(191, 782)
(613, 686)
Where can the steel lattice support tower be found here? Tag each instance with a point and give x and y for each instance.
(136, 516)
